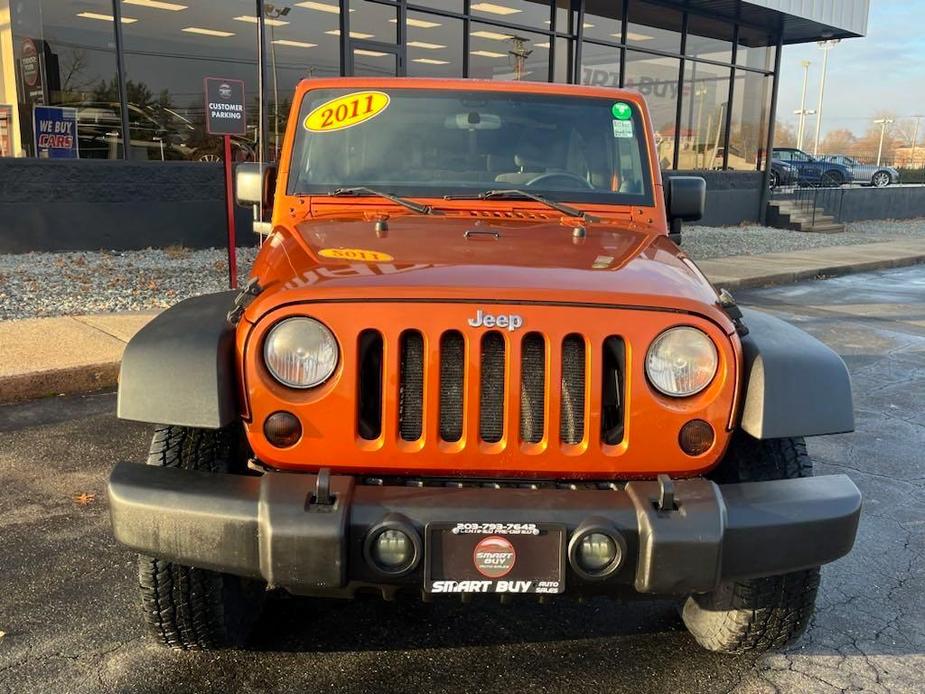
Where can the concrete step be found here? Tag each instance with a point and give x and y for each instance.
(830, 228)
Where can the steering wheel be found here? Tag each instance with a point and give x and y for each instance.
(543, 178)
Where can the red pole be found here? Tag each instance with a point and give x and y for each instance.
(229, 211)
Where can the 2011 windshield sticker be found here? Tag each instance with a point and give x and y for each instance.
(360, 254)
(346, 111)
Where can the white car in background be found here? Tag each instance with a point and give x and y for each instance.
(866, 174)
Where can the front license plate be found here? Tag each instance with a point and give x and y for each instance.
(494, 558)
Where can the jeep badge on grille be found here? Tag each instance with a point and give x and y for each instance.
(487, 320)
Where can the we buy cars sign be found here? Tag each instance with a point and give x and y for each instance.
(55, 131)
(225, 113)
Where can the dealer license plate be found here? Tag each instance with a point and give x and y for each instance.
(494, 558)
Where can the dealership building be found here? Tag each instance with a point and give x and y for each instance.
(116, 89)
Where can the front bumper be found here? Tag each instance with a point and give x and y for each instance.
(270, 527)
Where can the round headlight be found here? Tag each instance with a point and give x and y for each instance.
(681, 361)
(300, 352)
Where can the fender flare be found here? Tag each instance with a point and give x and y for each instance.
(179, 368)
(793, 384)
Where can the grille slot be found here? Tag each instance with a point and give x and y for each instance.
(612, 396)
(411, 386)
(572, 408)
(369, 384)
(452, 370)
(491, 390)
(532, 388)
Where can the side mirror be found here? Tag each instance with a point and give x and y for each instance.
(686, 198)
(254, 184)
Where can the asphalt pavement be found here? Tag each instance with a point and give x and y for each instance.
(70, 621)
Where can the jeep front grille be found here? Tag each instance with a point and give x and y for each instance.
(532, 371)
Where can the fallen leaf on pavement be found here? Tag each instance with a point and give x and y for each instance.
(83, 499)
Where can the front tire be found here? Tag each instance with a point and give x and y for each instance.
(757, 614)
(187, 608)
(773, 180)
(881, 179)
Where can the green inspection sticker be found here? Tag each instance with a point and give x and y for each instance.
(622, 110)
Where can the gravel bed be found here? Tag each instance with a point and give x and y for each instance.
(701, 242)
(34, 285)
(52, 284)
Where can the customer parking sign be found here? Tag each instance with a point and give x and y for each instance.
(55, 131)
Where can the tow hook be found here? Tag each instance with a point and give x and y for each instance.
(322, 499)
(665, 494)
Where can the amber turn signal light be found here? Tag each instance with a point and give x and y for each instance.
(282, 429)
(696, 437)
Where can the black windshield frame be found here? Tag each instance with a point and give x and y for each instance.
(297, 186)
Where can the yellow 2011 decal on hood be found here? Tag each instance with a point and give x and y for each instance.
(346, 111)
(355, 254)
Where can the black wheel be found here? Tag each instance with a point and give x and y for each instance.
(188, 608)
(758, 614)
(773, 179)
(831, 179)
(881, 179)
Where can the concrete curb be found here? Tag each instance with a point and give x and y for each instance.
(67, 341)
(819, 273)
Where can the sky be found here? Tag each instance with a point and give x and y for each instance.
(884, 71)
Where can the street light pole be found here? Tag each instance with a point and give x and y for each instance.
(826, 46)
(915, 137)
(803, 112)
(882, 122)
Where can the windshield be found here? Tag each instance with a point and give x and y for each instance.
(434, 143)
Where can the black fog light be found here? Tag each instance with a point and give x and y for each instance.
(282, 429)
(696, 437)
(392, 548)
(596, 550)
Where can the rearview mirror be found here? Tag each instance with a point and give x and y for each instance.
(254, 183)
(473, 120)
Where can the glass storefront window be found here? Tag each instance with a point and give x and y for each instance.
(168, 52)
(656, 77)
(373, 21)
(434, 51)
(703, 119)
(757, 49)
(496, 53)
(566, 16)
(653, 26)
(604, 20)
(64, 54)
(445, 5)
(751, 106)
(709, 39)
(530, 13)
(600, 65)
(563, 63)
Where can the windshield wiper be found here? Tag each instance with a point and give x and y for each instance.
(360, 190)
(514, 193)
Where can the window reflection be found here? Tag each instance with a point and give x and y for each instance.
(531, 13)
(600, 65)
(604, 20)
(496, 53)
(656, 77)
(654, 27)
(167, 55)
(65, 56)
(709, 39)
(706, 89)
(751, 106)
(434, 51)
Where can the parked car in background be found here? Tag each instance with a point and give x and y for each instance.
(866, 174)
(813, 171)
(782, 174)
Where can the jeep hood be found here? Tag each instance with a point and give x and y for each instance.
(454, 257)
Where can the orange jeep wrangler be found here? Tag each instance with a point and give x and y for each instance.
(470, 359)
